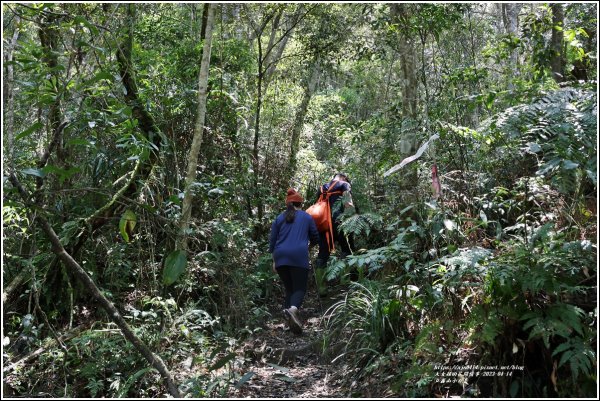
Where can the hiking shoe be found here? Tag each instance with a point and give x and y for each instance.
(293, 320)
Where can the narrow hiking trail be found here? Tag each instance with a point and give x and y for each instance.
(287, 365)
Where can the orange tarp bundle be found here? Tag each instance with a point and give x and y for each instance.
(321, 213)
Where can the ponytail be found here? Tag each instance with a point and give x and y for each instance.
(290, 212)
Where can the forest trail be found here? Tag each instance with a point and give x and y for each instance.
(288, 365)
(148, 147)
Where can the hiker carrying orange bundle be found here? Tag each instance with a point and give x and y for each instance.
(338, 194)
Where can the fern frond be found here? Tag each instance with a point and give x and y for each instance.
(360, 224)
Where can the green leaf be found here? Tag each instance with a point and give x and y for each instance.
(102, 75)
(562, 347)
(569, 165)
(489, 101)
(244, 379)
(63, 174)
(483, 218)
(34, 171)
(280, 368)
(81, 20)
(531, 323)
(542, 233)
(127, 224)
(285, 378)
(565, 357)
(406, 209)
(547, 167)
(591, 175)
(534, 147)
(223, 361)
(217, 350)
(185, 331)
(175, 265)
(29, 130)
(123, 390)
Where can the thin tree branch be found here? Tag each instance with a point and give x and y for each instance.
(294, 24)
(72, 265)
(65, 337)
(53, 144)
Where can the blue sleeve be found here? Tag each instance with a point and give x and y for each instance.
(273, 237)
(313, 233)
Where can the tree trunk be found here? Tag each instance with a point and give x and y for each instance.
(272, 60)
(409, 81)
(49, 43)
(49, 40)
(204, 24)
(309, 88)
(510, 18)
(498, 15)
(510, 22)
(407, 52)
(260, 82)
(9, 96)
(557, 60)
(198, 130)
(74, 267)
(255, 159)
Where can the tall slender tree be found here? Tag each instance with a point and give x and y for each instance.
(192, 164)
(267, 59)
(557, 55)
(310, 82)
(9, 94)
(407, 54)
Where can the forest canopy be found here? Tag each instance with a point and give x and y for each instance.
(147, 149)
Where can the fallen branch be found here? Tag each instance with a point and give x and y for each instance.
(411, 158)
(72, 265)
(11, 289)
(65, 337)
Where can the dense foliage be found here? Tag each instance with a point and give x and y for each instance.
(499, 269)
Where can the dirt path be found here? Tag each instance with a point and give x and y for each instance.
(287, 365)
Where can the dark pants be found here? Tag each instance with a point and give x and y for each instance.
(295, 280)
(340, 240)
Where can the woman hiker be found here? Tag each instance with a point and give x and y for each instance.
(291, 233)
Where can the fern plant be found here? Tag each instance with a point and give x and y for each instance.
(559, 319)
(371, 260)
(536, 302)
(560, 128)
(361, 224)
(579, 354)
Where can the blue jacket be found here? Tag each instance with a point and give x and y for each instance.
(289, 241)
(340, 186)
